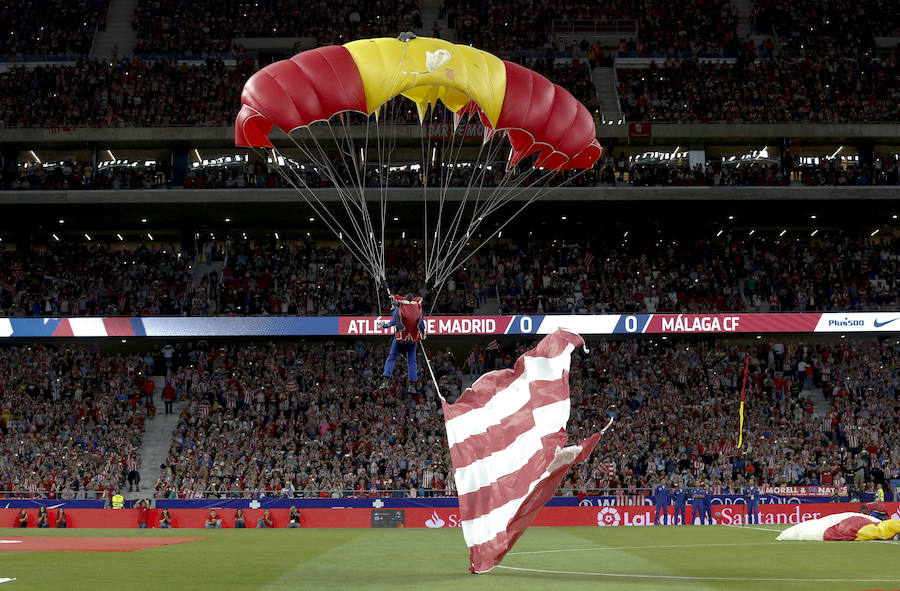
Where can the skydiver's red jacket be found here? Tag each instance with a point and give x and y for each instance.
(409, 319)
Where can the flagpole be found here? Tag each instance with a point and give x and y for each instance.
(430, 371)
(743, 388)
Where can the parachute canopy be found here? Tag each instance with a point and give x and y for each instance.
(344, 110)
(361, 76)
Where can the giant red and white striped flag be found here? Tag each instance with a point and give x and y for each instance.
(507, 437)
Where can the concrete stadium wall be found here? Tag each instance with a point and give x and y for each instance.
(397, 195)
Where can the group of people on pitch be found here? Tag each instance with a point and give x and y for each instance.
(700, 498)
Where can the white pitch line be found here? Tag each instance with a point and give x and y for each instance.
(751, 527)
(633, 548)
(687, 578)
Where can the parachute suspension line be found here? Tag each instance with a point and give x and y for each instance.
(357, 190)
(437, 388)
(448, 163)
(299, 185)
(347, 200)
(363, 241)
(541, 191)
(477, 180)
(386, 152)
(426, 174)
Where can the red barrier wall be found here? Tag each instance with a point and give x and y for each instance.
(440, 517)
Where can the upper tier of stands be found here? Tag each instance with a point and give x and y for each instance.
(828, 272)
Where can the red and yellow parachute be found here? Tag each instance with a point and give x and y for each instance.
(361, 76)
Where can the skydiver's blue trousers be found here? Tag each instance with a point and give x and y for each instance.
(398, 347)
(699, 511)
(661, 509)
(680, 513)
(753, 513)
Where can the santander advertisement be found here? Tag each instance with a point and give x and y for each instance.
(643, 516)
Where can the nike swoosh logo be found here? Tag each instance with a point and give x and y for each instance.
(880, 324)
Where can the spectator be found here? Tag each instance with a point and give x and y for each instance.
(165, 519)
(43, 519)
(294, 518)
(143, 513)
(213, 522)
(239, 521)
(266, 520)
(62, 520)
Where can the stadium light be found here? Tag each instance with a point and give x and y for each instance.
(731, 217)
(227, 220)
(119, 236)
(875, 232)
(752, 232)
(812, 216)
(276, 236)
(143, 220)
(814, 232)
(150, 236)
(55, 237)
(88, 236)
(719, 233)
(783, 232)
(62, 221)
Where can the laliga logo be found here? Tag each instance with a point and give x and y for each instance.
(434, 521)
(608, 516)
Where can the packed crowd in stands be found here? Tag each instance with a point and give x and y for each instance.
(820, 88)
(71, 174)
(760, 173)
(122, 93)
(172, 26)
(696, 27)
(264, 421)
(826, 272)
(307, 279)
(292, 420)
(75, 175)
(677, 416)
(70, 279)
(71, 420)
(307, 419)
(852, 23)
(50, 27)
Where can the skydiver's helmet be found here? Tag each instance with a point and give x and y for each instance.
(409, 297)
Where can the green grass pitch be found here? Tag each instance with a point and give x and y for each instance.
(667, 558)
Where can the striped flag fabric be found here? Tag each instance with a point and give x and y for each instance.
(493, 346)
(507, 443)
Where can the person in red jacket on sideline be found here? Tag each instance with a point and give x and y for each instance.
(409, 321)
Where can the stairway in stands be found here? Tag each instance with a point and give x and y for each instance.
(605, 83)
(822, 405)
(156, 441)
(430, 12)
(118, 39)
(744, 10)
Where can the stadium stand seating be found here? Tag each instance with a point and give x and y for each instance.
(47, 28)
(71, 420)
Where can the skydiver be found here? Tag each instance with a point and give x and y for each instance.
(409, 320)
